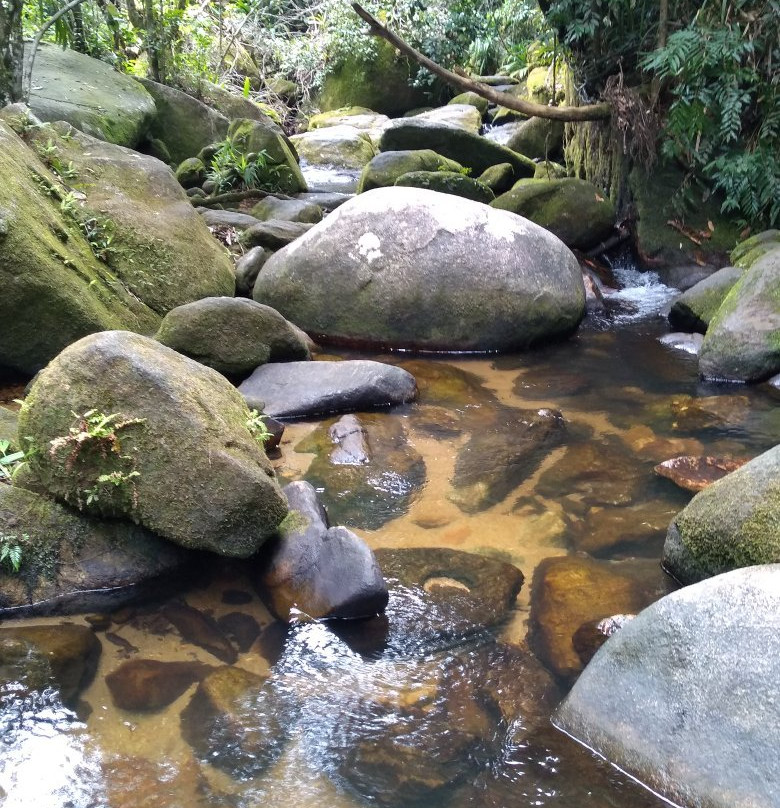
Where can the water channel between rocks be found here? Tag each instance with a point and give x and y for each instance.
(627, 402)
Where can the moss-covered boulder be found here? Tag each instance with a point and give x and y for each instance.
(657, 197)
(71, 562)
(288, 210)
(343, 146)
(232, 335)
(177, 457)
(498, 178)
(742, 342)
(381, 81)
(747, 252)
(191, 172)
(388, 166)
(359, 117)
(447, 182)
(472, 99)
(469, 149)
(254, 137)
(145, 226)
(549, 170)
(735, 522)
(184, 124)
(90, 95)
(405, 267)
(54, 288)
(232, 106)
(572, 209)
(537, 138)
(64, 656)
(695, 307)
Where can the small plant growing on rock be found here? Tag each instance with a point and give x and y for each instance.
(10, 459)
(231, 169)
(11, 551)
(258, 428)
(93, 444)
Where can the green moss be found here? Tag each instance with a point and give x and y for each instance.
(769, 239)
(448, 182)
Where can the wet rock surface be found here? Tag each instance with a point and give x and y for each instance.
(696, 473)
(298, 389)
(569, 591)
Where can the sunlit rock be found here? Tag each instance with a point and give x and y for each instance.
(678, 697)
(696, 473)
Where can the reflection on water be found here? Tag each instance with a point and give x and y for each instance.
(427, 705)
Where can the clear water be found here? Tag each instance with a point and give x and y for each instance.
(381, 724)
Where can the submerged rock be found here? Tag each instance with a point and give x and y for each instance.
(199, 629)
(72, 562)
(151, 684)
(571, 590)
(172, 420)
(499, 457)
(231, 335)
(391, 266)
(323, 572)
(64, 656)
(696, 473)
(297, 389)
(232, 722)
(731, 523)
(366, 495)
(677, 698)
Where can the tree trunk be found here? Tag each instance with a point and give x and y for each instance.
(11, 52)
(591, 112)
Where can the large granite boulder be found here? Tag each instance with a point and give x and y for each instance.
(55, 290)
(742, 343)
(72, 562)
(232, 335)
(343, 146)
(298, 389)
(573, 209)
(405, 268)
(128, 427)
(152, 239)
(90, 95)
(184, 124)
(679, 696)
(731, 523)
(321, 571)
(469, 149)
(694, 309)
(388, 166)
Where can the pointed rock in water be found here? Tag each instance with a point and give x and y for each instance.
(72, 562)
(64, 656)
(199, 629)
(320, 571)
(298, 389)
(366, 495)
(188, 467)
(678, 697)
(240, 628)
(694, 309)
(150, 684)
(730, 524)
(404, 268)
(232, 722)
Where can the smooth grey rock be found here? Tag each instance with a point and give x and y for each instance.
(248, 268)
(404, 267)
(735, 522)
(327, 200)
(682, 696)
(342, 145)
(288, 210)
(298, 389)
(273, 234)
(690, 343)
(461, 115)
(323, 572)
(227, 218)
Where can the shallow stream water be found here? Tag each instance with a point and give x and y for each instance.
(627, 403)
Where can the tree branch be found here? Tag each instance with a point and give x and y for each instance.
(591, 112)
(28, 68)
